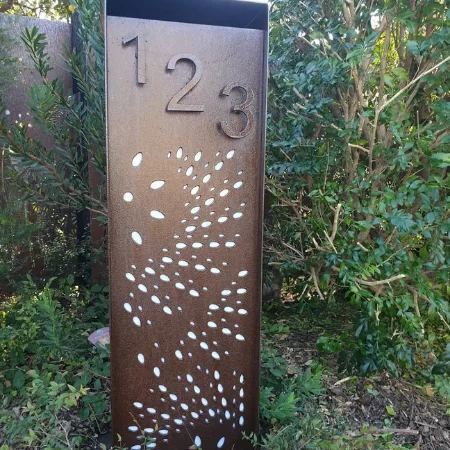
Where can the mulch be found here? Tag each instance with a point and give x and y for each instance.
(382, 401)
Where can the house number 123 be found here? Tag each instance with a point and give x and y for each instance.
(175, 105)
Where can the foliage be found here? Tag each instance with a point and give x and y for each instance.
(45, 9)
(16, 242)
(357, 169)
(59, 175)
(36, 240)
(52, 382)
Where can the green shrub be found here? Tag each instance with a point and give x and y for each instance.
(357, 168)
(58, 176)
(53, 384)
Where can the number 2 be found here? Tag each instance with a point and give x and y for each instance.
(242, 108)
(174, 104)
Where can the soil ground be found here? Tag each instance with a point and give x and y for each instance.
(418, 418)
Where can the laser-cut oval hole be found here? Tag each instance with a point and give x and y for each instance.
(218, 166)
(243, 273)
(183, 263)
(137, 321)
(142, 288)
(230, 154)
(197, 245)
(198, 156)
(243, 312)
(137, 160)
(150, 271)
(189, 171)
(241, 291)
(206, 178)
(214, 244)
(237, 215)
(215, 355)
(167, 260)
(222, 219)
(238, 184)
(200, 267)
(195, 190)
(167, 310)
(206, 224)
(215, 270)
(239, 337)
(137, 238)
(230, 244)
(194, 293)
(210, 201)
(158, 184)
(181, 245)
(179, 153)
(195, 210)
(180, 286)
(224, 193)
(157, 215)
(141, 358)
(128, 197)
(190, 228)
(130, 277)
(157, 372)
(127, 307)
(155, 299)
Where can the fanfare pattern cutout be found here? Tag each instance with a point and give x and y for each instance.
(206, 199)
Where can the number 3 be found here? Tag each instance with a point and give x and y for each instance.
(242, 108)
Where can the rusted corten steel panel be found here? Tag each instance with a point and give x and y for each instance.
(16, 95)
(185, 230)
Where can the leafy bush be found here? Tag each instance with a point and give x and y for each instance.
(59, 175)
(52, 383)
(357, 168)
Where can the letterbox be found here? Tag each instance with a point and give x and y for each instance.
(186, 110)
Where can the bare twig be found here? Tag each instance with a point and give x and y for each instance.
(406, 431)
(362, 247)
(359, 147)
(380, 282)
(316, 283)
(335, 222)
(412, 82)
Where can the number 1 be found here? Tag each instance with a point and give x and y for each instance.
(140, 53)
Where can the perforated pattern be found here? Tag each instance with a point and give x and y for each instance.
(185, 262)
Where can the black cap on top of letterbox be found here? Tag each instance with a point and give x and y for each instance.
(225, 13)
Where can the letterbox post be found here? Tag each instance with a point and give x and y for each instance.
(186, 109)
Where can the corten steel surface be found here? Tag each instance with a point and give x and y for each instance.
(185, 230)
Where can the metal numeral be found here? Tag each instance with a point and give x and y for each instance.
(242, 108)
(140, 53)
(174, 104)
